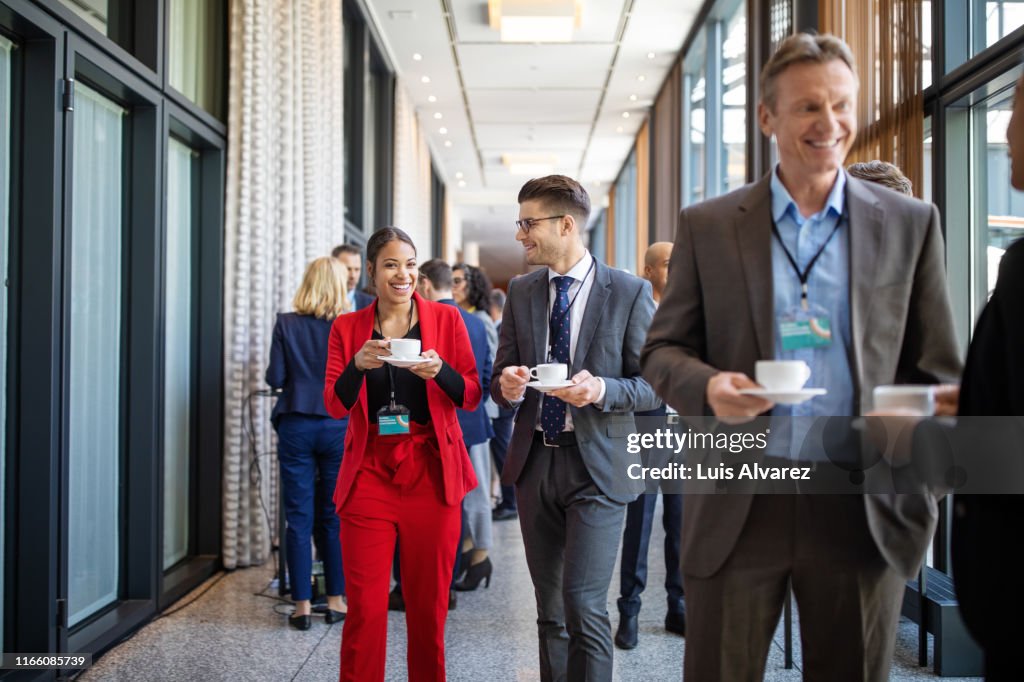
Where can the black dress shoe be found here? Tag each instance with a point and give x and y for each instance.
(301, 622)
(504, 514)
(396, 602)
(675, 621)
(474, 575)
(331, 616)
(626, 635)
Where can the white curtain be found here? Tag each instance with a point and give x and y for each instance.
(284, 208)
(192, 60)
(5, 183)
(412, 197)
(95, 355)
(177, 351)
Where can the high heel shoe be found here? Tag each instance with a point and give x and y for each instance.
(475, 574)
(464, 563)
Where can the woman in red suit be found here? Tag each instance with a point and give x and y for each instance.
(406, 468)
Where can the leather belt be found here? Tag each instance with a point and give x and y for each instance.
(566, 439)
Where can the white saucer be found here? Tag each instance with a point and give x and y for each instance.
(402, 362)
(784, 397)
(544, 388)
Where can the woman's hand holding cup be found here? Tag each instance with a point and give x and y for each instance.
(367, 357)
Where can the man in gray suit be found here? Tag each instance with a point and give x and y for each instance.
(568, 455)
(806, 244)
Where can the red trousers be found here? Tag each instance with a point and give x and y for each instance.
(398, 493)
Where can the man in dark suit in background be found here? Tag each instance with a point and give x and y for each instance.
(568, 457)
(506, 509)
(804, 248)
(636, 538)
(352, 257)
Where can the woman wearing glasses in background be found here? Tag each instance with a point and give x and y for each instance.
(406, 468)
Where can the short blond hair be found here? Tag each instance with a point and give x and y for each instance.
(322, 293)
(803, 48)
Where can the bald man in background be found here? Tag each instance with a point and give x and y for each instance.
(636, 537)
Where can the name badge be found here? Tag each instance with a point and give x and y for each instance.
(393, 420)
(805, 329)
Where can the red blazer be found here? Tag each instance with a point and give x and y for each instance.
(441, 329)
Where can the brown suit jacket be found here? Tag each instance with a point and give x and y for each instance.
(717, 315)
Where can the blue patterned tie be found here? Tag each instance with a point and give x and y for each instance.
(552, 413)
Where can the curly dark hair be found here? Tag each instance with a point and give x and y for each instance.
(478, 286)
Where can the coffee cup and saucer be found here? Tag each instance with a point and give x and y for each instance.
(404, 353)
(550, 377)
(783, 382)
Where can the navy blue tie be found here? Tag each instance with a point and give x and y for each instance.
(552, 413)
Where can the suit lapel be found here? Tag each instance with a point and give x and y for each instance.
(753, 229)
(538, 292)
(592, 314)
(865, 245)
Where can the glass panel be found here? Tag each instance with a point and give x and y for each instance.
(351, 84)
(177, 353)
(625, 216)
(94, 349)
(971, 27)
(112, 18)
(5, 181)
(195, 52)
(734, 100)
(926, 43)
(694, 122)
(1001, 18)
(999, 218)
(926, 189)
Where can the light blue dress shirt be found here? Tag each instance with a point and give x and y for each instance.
(828, 287)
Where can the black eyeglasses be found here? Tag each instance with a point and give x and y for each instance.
(458, 280)
(527, 224)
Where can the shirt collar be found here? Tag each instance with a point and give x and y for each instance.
(578, 271)
(783, 203)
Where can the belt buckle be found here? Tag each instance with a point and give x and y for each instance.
(671, 418)
(547, 444)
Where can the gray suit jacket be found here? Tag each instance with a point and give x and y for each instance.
(717, 315)
(615, 322)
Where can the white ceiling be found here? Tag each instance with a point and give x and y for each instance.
(563, 100)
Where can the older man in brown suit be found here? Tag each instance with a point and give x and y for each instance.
(806, 245)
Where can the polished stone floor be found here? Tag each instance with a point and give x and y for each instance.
(232, 628)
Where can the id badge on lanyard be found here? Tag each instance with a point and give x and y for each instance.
(393, 419)
(805, 328)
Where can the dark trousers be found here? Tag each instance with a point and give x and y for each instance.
(636, 539)
(571, 533)
(310, 450)
(503, 424)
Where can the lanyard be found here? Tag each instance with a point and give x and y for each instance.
(806, 273)
(391, 370)
(568, 310)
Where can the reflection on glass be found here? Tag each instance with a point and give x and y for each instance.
(734, 100)
(94, 400)
(177, 352)
(694, 122)
(5, 181)
(1001, 18)
(112, 18)
(625, 216)
(926, 43)
(195, 66)
(1003, 205)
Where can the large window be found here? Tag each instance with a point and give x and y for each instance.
(5, 182)
(734, 99)
(94, 441)
(694, 122)
(178, 356)
(626, 215)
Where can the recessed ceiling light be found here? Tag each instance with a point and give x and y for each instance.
(632, 98)
(462, 183)
(431, 99)
(438, 115)
(425, 79)
(625, 114)
(458, 176)
(447, 143)
(650, 55)
(417, 57)
(443, 130)
(639, 78)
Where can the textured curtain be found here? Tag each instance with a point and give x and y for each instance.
(412, 207)
(283, 208)
(884, 33)
(665, 152)
(94, 347)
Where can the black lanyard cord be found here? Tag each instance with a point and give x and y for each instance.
(391, 370)
(806, 273)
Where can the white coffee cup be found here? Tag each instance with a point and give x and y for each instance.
(910, 398)
(551, 373)
(405, 349)
(782, 375)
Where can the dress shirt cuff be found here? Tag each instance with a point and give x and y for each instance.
(599, 403)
